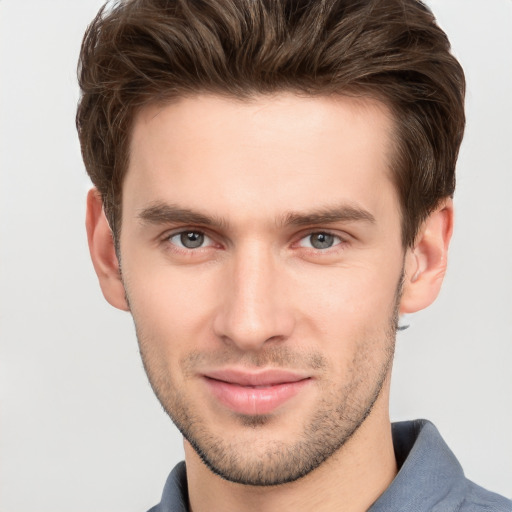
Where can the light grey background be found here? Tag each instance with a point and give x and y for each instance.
(80, 429)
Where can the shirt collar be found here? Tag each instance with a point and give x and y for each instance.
(429, 479)
(429, 474)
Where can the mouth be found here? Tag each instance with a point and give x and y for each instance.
(255, 393)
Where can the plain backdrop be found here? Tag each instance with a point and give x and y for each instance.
(80, 429)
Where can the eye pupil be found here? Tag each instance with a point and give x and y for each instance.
(192, 239)
(321, 240)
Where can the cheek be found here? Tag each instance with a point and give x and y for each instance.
(335, 308)
(348, 300)
(170, 307)
(351, 323)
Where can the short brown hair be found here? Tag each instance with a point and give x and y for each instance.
(137, 52)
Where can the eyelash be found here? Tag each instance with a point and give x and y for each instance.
(188, 250)
(340, 241)
(339, 244)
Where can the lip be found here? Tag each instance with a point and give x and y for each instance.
(255, 393)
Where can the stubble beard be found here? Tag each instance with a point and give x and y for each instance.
(339, 414)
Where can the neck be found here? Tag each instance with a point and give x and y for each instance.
(351, 480)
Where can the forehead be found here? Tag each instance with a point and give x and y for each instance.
(273, 152)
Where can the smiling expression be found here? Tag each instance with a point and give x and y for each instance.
(262, 261)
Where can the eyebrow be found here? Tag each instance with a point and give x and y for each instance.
(164, 213)
(329, 215)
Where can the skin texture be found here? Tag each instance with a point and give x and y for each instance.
(255, 185)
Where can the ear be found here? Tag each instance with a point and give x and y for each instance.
(425, 264)
(103, 254)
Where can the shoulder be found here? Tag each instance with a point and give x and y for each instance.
(478, 499)
(430, 478)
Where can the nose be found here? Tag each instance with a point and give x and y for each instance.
(255, 307)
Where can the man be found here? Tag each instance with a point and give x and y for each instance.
(273, 190)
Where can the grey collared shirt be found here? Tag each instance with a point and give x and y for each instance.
(430, 479)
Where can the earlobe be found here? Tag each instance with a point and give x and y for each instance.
(425, 263)
(103, 254)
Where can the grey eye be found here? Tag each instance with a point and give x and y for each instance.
(189, 239)
(320, 240)
(192, 239)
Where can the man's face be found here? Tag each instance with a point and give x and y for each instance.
(262, 260)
